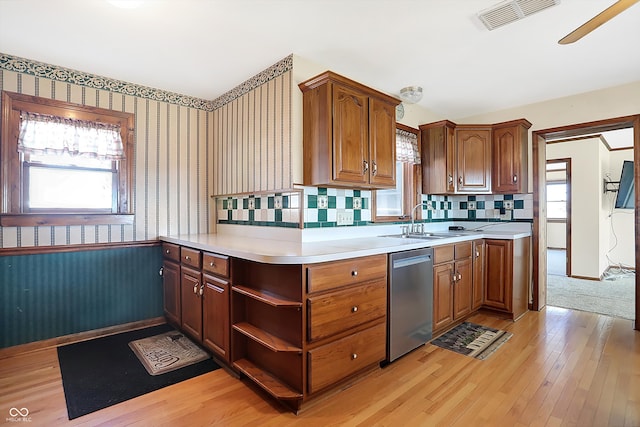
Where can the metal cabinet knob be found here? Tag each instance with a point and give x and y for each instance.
(167, 251)
(187, 257)
(515, 178)
(354, 356)
(354, 273)
(354, 309)
(211, 264)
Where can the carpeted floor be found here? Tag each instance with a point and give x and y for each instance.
(610, 297)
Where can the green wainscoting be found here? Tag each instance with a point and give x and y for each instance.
(54, 294)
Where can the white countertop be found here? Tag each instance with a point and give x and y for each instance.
(274, 251)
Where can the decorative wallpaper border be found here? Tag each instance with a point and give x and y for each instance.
(276, 70)
(67, 75)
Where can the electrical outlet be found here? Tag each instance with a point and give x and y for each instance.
(344, 217)
(471, 205)
(252, 203)
(430, 206)
(508, 204)
(357, 203)
(277, 202)
(323, 201)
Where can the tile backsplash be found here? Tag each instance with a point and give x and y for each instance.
(315, 207)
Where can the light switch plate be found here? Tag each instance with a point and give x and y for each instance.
(344, 217)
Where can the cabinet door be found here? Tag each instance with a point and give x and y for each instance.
(473, 154)
(350, 135)
(438, 158)
(507, 163)
(215, 315)
(499, 274)
(462, 288)
(171, 291)
(442, 295)
(382, 143)
(192, 289)
(478, 275)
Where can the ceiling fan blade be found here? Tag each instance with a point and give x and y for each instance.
(610, 12)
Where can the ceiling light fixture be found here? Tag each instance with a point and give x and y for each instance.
(411, 94)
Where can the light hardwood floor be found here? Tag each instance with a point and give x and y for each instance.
(561, 367)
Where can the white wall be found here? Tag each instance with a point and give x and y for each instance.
(622, 227)
(585, 203)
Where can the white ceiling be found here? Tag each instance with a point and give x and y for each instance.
(204, 48)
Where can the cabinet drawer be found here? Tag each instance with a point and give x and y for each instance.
(171, 251)
(333, 362)
(216, 264)
(463, 250)
(443, 254)
(341, 310)
(190, 257)
(335, 274)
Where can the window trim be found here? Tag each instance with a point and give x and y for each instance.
(411, 188)
(12, 211)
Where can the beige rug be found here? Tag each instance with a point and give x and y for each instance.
(167, 352)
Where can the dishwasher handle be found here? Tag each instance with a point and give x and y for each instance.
(407, 262)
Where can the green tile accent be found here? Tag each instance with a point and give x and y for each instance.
(518, 204)
(270, 202)
(285, 202)
(252, 215)
(348, 202)
(235, 203)
(365, 203)
(480, 205)
(278, 215)
(322, 191)
(332, 202)
(322, 215)
(356, 193)
(357, 215)
(508, 196)
(471, 198)
(257, 202)
(312, 201)
(245, 203)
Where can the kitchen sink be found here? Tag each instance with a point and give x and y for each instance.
(424, 236)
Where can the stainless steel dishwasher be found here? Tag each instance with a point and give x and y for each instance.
(410, 319)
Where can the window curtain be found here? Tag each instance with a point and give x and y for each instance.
(44, 134)
(407, 150)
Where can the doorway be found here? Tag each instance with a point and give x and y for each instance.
(558, 189)
(539, 141)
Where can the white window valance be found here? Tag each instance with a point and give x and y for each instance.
(407, 150)
(45, 134)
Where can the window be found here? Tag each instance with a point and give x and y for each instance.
(396, 204)
(64, 164)
(557, 200)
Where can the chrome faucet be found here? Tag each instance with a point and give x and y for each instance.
(413, 216)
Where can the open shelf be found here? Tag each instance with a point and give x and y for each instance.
(268, 382)
(266, 297)
(272, 342)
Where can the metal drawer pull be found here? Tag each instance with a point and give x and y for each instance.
(354, 308)
(365, 166)
(354, 273)
(201, 289)
(375, 168)
(515, 178)
(195, 288)
(354, 356)
(460, 180)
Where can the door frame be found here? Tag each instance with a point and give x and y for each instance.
(567, 174)
(539, 238)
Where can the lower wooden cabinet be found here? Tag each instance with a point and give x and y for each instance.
(330, 363)
(478, 254)
(191, 293)
(507, 276)
(196, 296)
(171, 292)
(452, 284)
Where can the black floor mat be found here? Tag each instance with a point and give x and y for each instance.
(102, 372)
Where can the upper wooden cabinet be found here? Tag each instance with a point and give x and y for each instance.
(510, 162)
(474, 159)
(455, 158)
(348, 134)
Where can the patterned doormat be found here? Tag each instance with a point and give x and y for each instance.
(473, 340)
(167, 352)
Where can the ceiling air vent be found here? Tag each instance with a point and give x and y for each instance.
(512, 10)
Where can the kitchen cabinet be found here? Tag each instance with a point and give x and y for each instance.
(348, 134)
(438, 157)
(299, 330)
(473, 159)
(171, 283)
(478, 254)
(196, 295)
(507, 276)
(452, 285)
(510, 159)
(455, 158)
